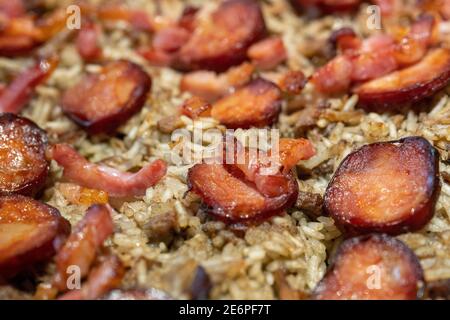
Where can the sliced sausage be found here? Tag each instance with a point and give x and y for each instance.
(102, 102)
(222, 40)
(256, 104)
(23, 165)
(408, 85)
(388, 187)
(30, 232)
(372, 267)
(94, 176)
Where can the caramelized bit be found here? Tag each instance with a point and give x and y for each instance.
(196, 107)
(81, 248)
(102, 102)
(388, 187)
(82, 196)
(292, 151)
(94, 176)
(17, 94)
(23, 166)
(212, 86)
(30, 232)
(293, 82)
(257, 104)
(334, 77)
(268, 53)
(103, 278)
(222, 40)
(372, 267)
(409, 85)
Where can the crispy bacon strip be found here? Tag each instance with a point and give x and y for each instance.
(83, 244)
(19, 91)
(94, 176)
(268, 53)
(103, 278)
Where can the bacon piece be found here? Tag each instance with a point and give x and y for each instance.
(292, 151)
(268, 53)
(188, 18)
(170, 39)
(257, 104)
(110, 180)
(408, 85)
(388, 187)
(212, 86)
(102, 102)
(345, 39)
(196, 107)
(250, 188)
(157, 58)
(106, 276)
(17, 94)
(30, 232)
(23, 166)
(372, 267)
(292, 82)
(87, 41)
(222, 40)
(334, 77)
(83, 244)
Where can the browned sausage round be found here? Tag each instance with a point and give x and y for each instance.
(23, 166)
(388, 187)
(372, 267)
(30, 232)
(102, 102)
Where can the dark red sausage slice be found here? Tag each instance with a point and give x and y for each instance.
(30, 232)
(222, 40)
(102, 102)
(23, 166)
(388, 187)
(372, 267)
(408, 85)
(257, 104)
(326, 6)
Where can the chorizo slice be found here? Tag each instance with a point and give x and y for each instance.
(18, 93)
(94, 176)
(257, 104)
(102, 102)
(408, 85)
(222, 40)
(104, 277)
(83, 244)
(388, 187)
(23, 165)
(30, 232)
(372, 267)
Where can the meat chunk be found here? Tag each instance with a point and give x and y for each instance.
(327, 6)
(388, 187)
(83, 244)
(30, 232)
(222, 40)
(256, 104)
(408, 85)
(23, 165)
(87, 41)
(102, 102)
(268, 53)
(116, 183)
(137, 294)
(17, 94)
(372, 267)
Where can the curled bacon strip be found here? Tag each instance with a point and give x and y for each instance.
(103, 278)
(116, 183)
(248, 189)
(256, 104)
(17, 94)
(81, 247)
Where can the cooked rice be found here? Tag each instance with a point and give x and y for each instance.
(239, 267)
